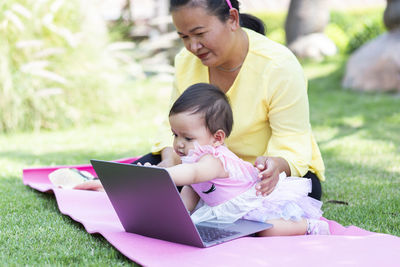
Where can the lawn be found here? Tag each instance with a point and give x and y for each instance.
(31, 228)
(358, 134)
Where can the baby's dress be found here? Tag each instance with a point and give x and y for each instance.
(229, 199)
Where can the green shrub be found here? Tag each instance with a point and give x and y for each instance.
(54, 68)
(351, 29)
(277, 35)
(365, 32)
(120, 29)
(338, 36)
(349, 19)
(347, 29)
(275, 25)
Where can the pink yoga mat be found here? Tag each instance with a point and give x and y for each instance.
(351, 246)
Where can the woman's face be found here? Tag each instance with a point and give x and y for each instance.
(204, 35)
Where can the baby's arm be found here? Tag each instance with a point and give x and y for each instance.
(206, 169)
(189, 197)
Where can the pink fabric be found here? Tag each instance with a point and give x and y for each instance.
(229, 199)
(229, 4)
(350, 246)
(38, 179)
(242, 175)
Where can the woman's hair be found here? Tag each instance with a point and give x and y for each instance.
(221, 9)
(208, 100)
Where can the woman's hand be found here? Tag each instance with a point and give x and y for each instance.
(169, 158)
(165, 163)
(270, 168)
(94, 185)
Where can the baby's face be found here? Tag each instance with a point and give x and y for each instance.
(187, 129)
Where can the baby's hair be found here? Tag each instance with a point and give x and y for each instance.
(208, 100)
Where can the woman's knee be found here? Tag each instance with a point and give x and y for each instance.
(316, 188)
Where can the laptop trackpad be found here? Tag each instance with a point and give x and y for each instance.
(218, 232)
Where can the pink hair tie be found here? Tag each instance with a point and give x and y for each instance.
(229, 4)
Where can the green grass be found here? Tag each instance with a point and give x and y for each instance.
(357, 134)
(32, 230)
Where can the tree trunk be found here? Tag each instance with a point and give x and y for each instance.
(306, 17)
(305, 24)
(391, 17)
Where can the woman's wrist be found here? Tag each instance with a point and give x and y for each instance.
(279, 164)
(168, 155)
(282, 165)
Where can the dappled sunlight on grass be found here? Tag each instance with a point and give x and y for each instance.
(358, 147)
(354, 121)
(358, 136)
(318, 69)
(394, 118)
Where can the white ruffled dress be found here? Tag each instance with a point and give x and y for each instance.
(225, 200)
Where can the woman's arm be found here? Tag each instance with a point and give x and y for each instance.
(289, 148)
(169, 158)
(206, 169)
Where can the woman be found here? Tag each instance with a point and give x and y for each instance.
(263, 81)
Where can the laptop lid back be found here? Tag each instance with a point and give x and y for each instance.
(147, 201)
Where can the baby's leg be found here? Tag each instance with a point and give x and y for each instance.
(284, 228)
(189, 197)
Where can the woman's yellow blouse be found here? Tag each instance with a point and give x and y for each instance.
(269, 103)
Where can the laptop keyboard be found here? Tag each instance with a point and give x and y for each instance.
(210, 234)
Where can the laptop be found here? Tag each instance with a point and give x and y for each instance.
(148, 203)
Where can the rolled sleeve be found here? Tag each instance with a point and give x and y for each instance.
(295, 149)
(289, 120)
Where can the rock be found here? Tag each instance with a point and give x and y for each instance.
(315, 46)
(376, 65)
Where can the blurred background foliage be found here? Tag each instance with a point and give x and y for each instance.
(348, 29)
(62, 66)
(55, 68)
(352, 29)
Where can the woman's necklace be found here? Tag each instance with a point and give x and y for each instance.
(240, 65)
(230, 70)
